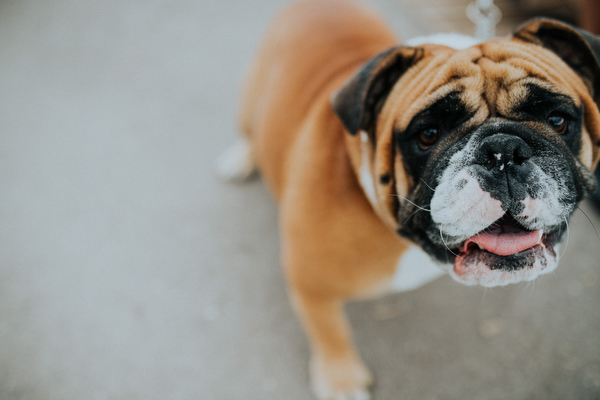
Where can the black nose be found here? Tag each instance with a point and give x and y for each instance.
(501, 150)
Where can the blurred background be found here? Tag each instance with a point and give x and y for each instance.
(129, 271)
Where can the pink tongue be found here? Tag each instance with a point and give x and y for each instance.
(505, 244)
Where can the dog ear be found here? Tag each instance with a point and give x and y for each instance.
(578, 48)
(360, 100)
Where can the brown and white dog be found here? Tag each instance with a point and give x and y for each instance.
(379, 153)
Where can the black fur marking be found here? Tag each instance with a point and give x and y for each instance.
(516, 262)
(539, 102)
(447, 114)
(538, 105)
(384, 179)
(360, 100)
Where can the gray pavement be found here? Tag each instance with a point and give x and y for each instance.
(128, 271)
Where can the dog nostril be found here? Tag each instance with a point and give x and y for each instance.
(501, 150)
(519, 160)
(491, 163)
(522, 154)
(492, 159)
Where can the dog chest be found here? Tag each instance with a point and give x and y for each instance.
(415, 269)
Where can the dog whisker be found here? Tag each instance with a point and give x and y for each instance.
(432, 189)
(567, 241)
(410, 216)
(531, 284)
(591, 222)
(445, 244)
(414, 204)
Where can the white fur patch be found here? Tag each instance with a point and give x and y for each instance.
(454, 40)
(547, 209)
(415, 269)
(366, 177)
(541, 212)
(237, 163)
(460, 208)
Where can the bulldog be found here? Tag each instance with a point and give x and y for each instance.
(386, 157)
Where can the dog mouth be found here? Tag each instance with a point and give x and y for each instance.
(504, 237)
(505, 252)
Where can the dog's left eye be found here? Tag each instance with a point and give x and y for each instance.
(558, 122)
(428, 137)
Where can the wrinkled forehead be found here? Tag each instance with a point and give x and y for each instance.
(490, 78)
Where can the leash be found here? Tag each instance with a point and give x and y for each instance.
(485, 15)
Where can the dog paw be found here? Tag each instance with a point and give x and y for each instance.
(346, 379)
(237, 163)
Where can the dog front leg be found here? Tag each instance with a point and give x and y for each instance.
(336, 370)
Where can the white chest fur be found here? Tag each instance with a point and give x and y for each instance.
(415, 269)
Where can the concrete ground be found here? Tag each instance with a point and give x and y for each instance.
(128, 271)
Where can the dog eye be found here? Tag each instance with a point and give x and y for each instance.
(557, 122)
(428, 137)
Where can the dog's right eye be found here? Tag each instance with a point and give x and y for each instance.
(558, 122)
(428, 137)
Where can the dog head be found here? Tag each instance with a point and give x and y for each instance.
(479, 155)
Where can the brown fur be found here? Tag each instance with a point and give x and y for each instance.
(335, 244)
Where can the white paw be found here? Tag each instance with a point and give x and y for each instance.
(340, 379)
(237, 163)
(357, 394)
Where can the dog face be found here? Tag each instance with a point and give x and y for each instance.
(481, 155)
